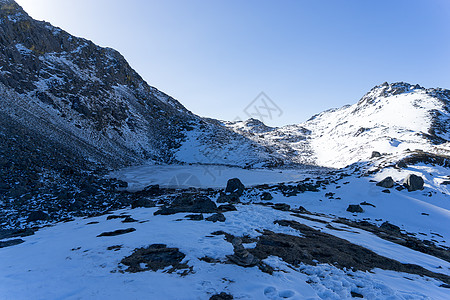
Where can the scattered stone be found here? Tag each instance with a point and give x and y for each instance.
(386, 191)
(266, 196)
(446, 182)
(219, 217)
(115, 247)
(375, 154)
(242, 257)
(151, 190)
(401, 165)
(129, 219)
(235, 186)
(116, 232)
(221, 296)
(189, 202)
(387, 182)
(356, 295)
(355, 208)
(113, 217)
(307, 187)
(224, 198)
(195, 217)
(226, 207)
(282, 206)
(400, 188)
(425, 214)
(10, 243)
(142, 202)
(91, 223)
(209, 260)
(154, 257)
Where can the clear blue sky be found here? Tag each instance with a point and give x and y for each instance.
(215, 56)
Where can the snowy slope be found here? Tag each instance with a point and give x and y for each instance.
(390, 119)
(70, 261)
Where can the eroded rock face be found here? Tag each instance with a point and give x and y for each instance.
(413, 182)
(154, 257)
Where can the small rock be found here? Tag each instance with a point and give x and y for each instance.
(356, 295)
(129, 219)
(226, 207)
(224, 198)
(266, 196)
(219, 217)
(367, 203)
(413, 182)
(282, 206)
(387, 182)
(401, 165)
(116, 232)
(355, 208)
(375, 154)
(221, 296)
(195, 217)
(386, 191)
(235, 186)
(142, 202)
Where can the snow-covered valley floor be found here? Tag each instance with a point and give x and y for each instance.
(70, 261)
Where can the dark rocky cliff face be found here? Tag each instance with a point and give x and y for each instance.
(85, 88)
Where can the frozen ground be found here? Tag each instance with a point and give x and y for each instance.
(206, 176)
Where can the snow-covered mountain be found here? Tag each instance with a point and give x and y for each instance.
(392, 119)
(225, 210)
(87, 100)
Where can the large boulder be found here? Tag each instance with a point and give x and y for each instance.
(235, 187)
(388, 182)
(413, 182)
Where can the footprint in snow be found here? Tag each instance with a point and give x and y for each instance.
(272, 293)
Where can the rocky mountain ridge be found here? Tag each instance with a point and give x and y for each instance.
(393, 119)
